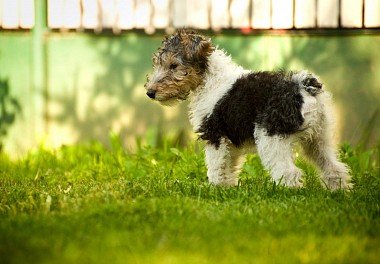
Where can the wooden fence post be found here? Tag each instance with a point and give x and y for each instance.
(39, 73)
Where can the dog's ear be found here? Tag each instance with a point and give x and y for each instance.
(196, 47)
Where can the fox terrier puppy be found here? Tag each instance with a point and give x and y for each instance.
(233, 109)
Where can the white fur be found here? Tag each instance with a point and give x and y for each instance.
(221, 75)
(320, 147)
(275, 151)
(277, 157)
(158, 74)
(223, 163)
(298, 77)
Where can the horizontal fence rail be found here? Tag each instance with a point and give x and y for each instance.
(150, 15)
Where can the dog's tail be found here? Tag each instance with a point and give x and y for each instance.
(307, 81)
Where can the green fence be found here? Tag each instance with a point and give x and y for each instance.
(79, 86)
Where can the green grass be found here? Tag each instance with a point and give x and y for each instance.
(89, 204)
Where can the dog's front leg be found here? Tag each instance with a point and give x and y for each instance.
(221, 162)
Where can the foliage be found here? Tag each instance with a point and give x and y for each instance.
(90, 204)
(9, 108)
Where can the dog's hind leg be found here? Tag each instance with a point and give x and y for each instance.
(322, 151)
(277, 156)
(320, 148)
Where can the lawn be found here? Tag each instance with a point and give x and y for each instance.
(91, 204)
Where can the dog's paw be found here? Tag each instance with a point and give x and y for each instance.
(337, 177)
(338, 183)
(223, 181)
(292, 179)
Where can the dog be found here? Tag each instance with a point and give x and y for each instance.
(235, 110)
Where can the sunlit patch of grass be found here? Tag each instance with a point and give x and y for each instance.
(91, 204)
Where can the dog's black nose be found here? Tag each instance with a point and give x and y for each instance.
(151, 94)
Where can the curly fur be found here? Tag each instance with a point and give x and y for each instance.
(234, 109)
(178, 66)
(269, 99)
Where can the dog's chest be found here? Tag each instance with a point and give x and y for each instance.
(201, 107)
(204, 101)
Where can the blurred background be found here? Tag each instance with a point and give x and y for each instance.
(73, 70)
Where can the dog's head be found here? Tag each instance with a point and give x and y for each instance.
(178, 66)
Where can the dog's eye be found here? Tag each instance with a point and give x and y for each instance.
(173, 66)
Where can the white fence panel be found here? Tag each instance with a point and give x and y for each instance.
(72, 15)
(143, 13)
(55, 17)
(108, 13)
(1, 12)
(328, 13)
(26, 14)
(125, 14)
(282, 14)
(372, 13)
(261, 14)
(90, 15)
(198, 14)
(305, 14)
(10, 14)
(351, 13)
(179, 13)
(161, 13)
(239, 11)
(220, 15)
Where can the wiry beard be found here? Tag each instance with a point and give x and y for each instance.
(175, 99)
(170, 102)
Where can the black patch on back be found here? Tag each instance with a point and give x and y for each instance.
(268, 99)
